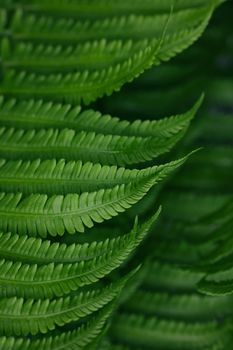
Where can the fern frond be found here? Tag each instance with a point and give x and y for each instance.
(38, 28)
(77, 86)
(175, 43)
(85, 146)
(40, 214)
(80, 337)
(23, 317)
(100, 9)
(38, 251)
(57, 58)
(56, 279)
(60, 174)
(61, 177)
(35, 114)
(172, 277)
(141, 331)
(217, 283)
(186, 307)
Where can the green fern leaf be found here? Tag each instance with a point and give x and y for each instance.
(61, 177)
(40, 214)
(76, 83)
(36, 114)
(23, 317)
(101, 8)
(86, 146)
(77, 86)
(38, 251)
(80, 337)
(57, 279)
(49, 58)
(142, 331)
(38, 28)
(217, 283)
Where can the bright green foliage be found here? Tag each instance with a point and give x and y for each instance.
(79, 337)
(72, 59)
(31, 316)
(88, 146)
(40, 214)
(62, 276)
(51, 176)
(35, 250)
(64, 169)
(36, 114)
(123, 144)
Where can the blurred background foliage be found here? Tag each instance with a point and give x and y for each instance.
(184, 300)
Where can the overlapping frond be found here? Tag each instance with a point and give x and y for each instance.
(52, 177)
(122, 143)
(72, 59)
(36, 114)
(80, 337)
(57, 214)
(23, 317)
(87, 146)
(38, 251)
(188, 286)
(63, 275)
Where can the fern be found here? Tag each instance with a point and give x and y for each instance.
(64, 169)
(193, 240)
(188, 307)
(51, 176)
(80, 337)
(36, 114)
(56, 279)
(31, 316)
(94, 9)
(72, 212)
(74, 81)
(150, 331)
(87, 146)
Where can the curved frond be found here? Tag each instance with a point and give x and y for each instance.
(142, 331)
(23, 317)
(80, 337)
(187, 307)
(101, 8)
(63, 169)
(38, 251)
(217, 283)
(77, 86)
(61, 177)
(36, 114)
(49, 58)
(86, 146)
(38, 28)
(55, 215)
(57, 279)
(47, 62)
(172, 277)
